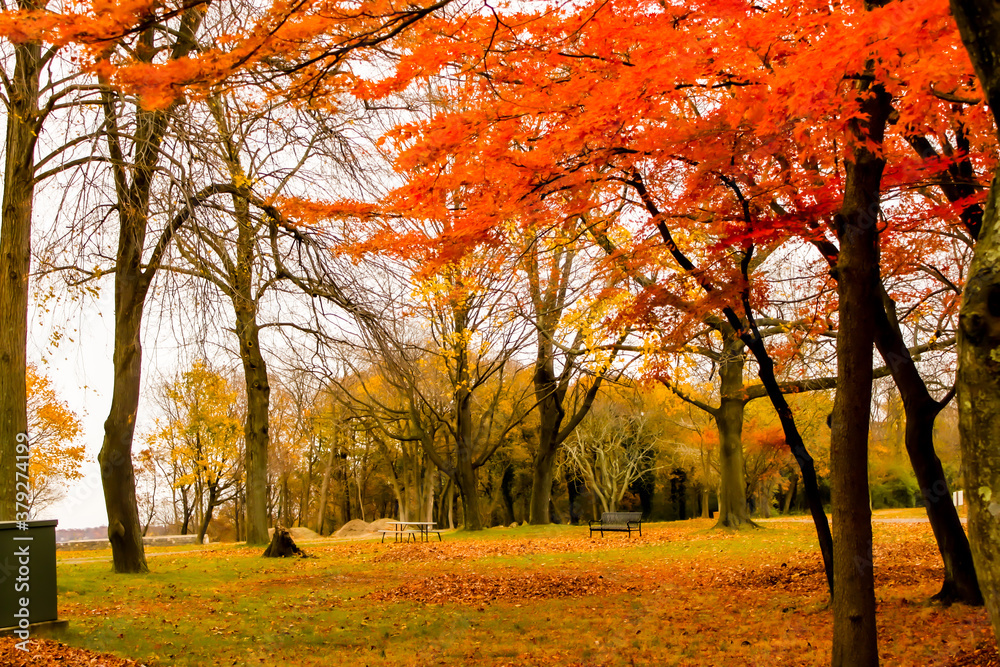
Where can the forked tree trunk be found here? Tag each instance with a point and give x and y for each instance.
(15, 259)
(978, 381)
(213, 495)
(543, 468)
(133, 185)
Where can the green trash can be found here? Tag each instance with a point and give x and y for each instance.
(27, 576)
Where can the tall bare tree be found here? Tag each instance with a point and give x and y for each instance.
(134, 171)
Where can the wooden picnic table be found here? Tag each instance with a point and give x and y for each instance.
(411, 529)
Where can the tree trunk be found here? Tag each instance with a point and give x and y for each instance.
(465, 472)
(307, 481)
(245, 305)
(549, 396)
(804, 461)
(15, 258)
(256, 428)
(465, 476)
(790, 494)
(543, 470)
(285, 509)
(115, 457)
(978, 385)
(854, 632)
(345, 499)
(430, 483)
(186, 509)
(450, 503)
(920, 408)
(960, 581)
(133, 185)
(729, 420)
(213, 495)
(237, 509)
(324, 490)
(978, 380)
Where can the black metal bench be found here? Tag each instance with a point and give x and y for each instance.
(618, 522)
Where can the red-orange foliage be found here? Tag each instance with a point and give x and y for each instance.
(725, 118)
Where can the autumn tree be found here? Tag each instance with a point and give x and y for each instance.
(396, 416)
(613, 447)
(230, 251)
(21, 88)
(566, 311)
(203, 437)
(134, 154)
(54, 427)
(39, 84)
(145, 56)
(774, 162)
(978, 380)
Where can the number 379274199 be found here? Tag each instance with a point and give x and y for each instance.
(23, 490)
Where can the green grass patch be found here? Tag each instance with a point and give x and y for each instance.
(682, 594)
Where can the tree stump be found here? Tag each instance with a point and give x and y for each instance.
(282, 545)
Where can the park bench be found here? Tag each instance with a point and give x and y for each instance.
(620, 522)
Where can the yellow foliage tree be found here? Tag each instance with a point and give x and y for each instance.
(203, 439)
(53, 428)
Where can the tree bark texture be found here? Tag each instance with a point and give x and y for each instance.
(465, 471)
(729, 420)
(854, 633)
(15, 260)
(256, 427)
(550, 415)
(115, 457)
(465, 464)
(978, 381)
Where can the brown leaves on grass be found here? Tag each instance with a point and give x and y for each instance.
(468, 550)
(45, 652)
(485, 589)
(984, 655)
(797, 578)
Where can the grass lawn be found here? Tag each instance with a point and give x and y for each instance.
(682, 594)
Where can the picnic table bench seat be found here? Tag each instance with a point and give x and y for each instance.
(619, 522)
(401, 533)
